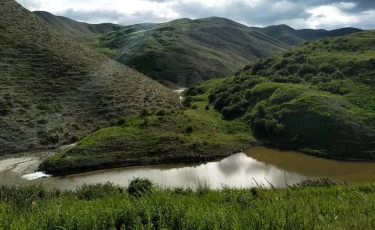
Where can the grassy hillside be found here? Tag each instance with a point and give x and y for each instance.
(162, 136)
(54, 91)
(294, 37)
(188, 51)
(317, 98)
(322, 206)
(78, 30)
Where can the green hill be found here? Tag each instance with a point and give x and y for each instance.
(183, 52)
(54, 91)
(188, 51)
(294, 37)
(78, 30)
(317, 98)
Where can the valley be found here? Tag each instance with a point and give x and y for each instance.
(203, 123)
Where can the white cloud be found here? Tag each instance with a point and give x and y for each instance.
(327, 14)
(324, 16)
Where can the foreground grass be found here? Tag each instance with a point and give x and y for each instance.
(110, 207)
(163, 136)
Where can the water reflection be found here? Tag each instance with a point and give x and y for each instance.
(260, 165)
(238, 170)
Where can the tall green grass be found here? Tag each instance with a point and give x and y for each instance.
(311, 206)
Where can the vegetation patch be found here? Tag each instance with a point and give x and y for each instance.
(311, 205)
(162, 136)
(317, 98)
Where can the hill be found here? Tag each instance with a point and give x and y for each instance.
(54, 90)
(78, 30)
(295, 37)
(187, 51)
(317, 98)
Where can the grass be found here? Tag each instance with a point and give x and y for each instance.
(162, 136)
(317, 98)
(308, 206)
(54, 91)
(95, 44)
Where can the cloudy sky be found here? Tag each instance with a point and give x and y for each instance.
(327, 14)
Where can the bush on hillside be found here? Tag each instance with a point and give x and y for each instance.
(307, 69)
(327, 68)
(121, 122)
(234, 111)
(187, 101)
(189, 129)
(337, 75)
(161, 112)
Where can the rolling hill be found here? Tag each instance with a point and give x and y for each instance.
(53, 90)
(317, 98)
(188, 51)
(295, 37)
(78, 30)
(183, 52)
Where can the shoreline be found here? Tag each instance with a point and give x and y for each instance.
(70, 167)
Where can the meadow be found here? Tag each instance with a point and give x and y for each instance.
(311, 205)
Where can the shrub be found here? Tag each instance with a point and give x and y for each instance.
(307, 69)
(90, 192)
(160, 112)
(187, 101)
(121, 122)
(308, 77)
(234, 111)
(189, 129)
(207, 107)
(145, 112)
(194, 107)
(140, 186)
(337, 75)
(327, 68)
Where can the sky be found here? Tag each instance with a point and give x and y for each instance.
(299, 14)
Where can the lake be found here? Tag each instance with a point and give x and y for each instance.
(258, 166)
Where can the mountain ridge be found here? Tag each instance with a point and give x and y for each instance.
(186, 51)
(78, 30)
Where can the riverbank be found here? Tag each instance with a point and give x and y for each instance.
(312, 205)
(179, 135)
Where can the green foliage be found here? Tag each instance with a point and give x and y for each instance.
(139, 187)
(189, 129)
(155, 139)
(187, 101)
(310, 205)
(121, 122)
(313, 98)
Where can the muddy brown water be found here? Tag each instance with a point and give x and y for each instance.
(258, 166)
